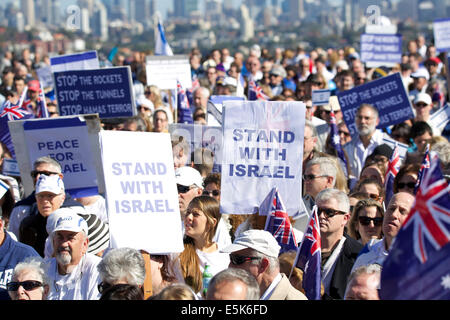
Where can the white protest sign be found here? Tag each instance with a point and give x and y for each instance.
(440, 118)
(72, 141)
(141, 192)
(76, 61)
(262, 150)
(441, 31)
(164, 71)
(45, 76)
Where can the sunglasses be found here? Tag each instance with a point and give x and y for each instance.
(237, 260)
(308, 177)
(28, 285)
(330, 213)
(365, 221)
(182, 189)
(373, 196)
(103, 286)
(35, 173)
(147, 93)
(410, 185)
(214, 193)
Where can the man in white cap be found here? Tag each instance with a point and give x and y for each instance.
(276, 76)
(72, 270)
(423, 105)
(420, 82)
(257, 252)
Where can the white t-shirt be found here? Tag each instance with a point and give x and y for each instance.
(80, 284)
(216, 260)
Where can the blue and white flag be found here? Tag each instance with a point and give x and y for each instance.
(4, 187)
(162, 47)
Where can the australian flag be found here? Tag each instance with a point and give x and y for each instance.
(184, 112)
(10, 112)
(42, 111)
(423, 168)
(279, 225)
(417, 266)
(391, 173)
(309, 258)
(255, 92)
(335, 139)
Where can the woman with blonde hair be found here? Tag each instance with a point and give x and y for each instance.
(366, 221)
(200, 222)
(153, 93)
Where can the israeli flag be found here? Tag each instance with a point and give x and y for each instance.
(162, 47)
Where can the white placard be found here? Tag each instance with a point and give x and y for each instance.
(164, 71)
(141, 192)
(440, 118)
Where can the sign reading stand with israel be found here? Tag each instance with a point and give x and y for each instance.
(387, 94)
(261, 151)
(108, 92)
(141, 191)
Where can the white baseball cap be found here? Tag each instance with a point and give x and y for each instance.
(70, 221)
(188, 176)
(53, 184)
(423, 97)
(259, 240)
(421, 73)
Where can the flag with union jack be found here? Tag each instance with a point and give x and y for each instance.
(255, 92)
(42, 111)
(335, 139)
(417, 266)
(190, 92)
(184, 112)
(391, 173)
(423, 167)
(309, 258)
(10, 112)
(279, 225)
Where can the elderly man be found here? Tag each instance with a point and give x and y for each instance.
(364, 283)
(377, 250)
(276, 76)
(367, 139)
(233, 284)
(201, 96)
(72, 270)
(339, 251)
(257, 252)
(11, 253)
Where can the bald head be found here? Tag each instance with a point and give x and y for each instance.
(396, 213)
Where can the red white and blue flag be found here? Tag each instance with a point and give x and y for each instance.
(42, 111)
(184, 112)
(255, 92)
(423, 167)
(335, 139)
(279, 225)
(190, 92)
(417, 266)
(391, 173)
(309, 258)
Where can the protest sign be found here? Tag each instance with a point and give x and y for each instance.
(108, 92)
(72, 141)
(76, 61)
(45, 77)
(321, 97)
(441, 31)
(387, 94)
(381, 49)
(164, 71)
(261, 150)
(214, 108)
(141, 191)
(200, 136)
(440, 118)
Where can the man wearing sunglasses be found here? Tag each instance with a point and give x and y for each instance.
(377, 250)
(256, 251)
(27, 207)
(339, 251)
(11, 253)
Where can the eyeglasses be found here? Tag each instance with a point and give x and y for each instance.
(365, 221)
(214, 193)
(410, 185)
(147, 93)
(35, 173)
(28, 285)
(182, 189)
(103, 286)
(307, 177)
(373, 196)
(328, 212)
(237, 260)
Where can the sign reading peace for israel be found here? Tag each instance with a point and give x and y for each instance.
(387, 94)
(141, 191)
(381, 49)
(65, 139)
(261, 150)
(108, 92)
(441, 30)
(164, 71)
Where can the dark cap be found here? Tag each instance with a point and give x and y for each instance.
(383, 150)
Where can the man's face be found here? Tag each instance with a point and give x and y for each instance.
(315, 180)
(211, 74)
(422, 141)
(248, 265)
(69, 247)
(20, 85)
(331, 225)
(366, 121)
(185, 196)
(33, 95)
(275, 79)
(344, 134)
(309, 142)
(160, 122)
(200, 99)
(346, 83)
(45, 168)
(48, 202)
(419, 83)
(396, 213)
(253, 65)
(363, 287)
(213, 190)
(422, 109)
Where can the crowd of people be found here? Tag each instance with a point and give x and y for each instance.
(56, 247)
